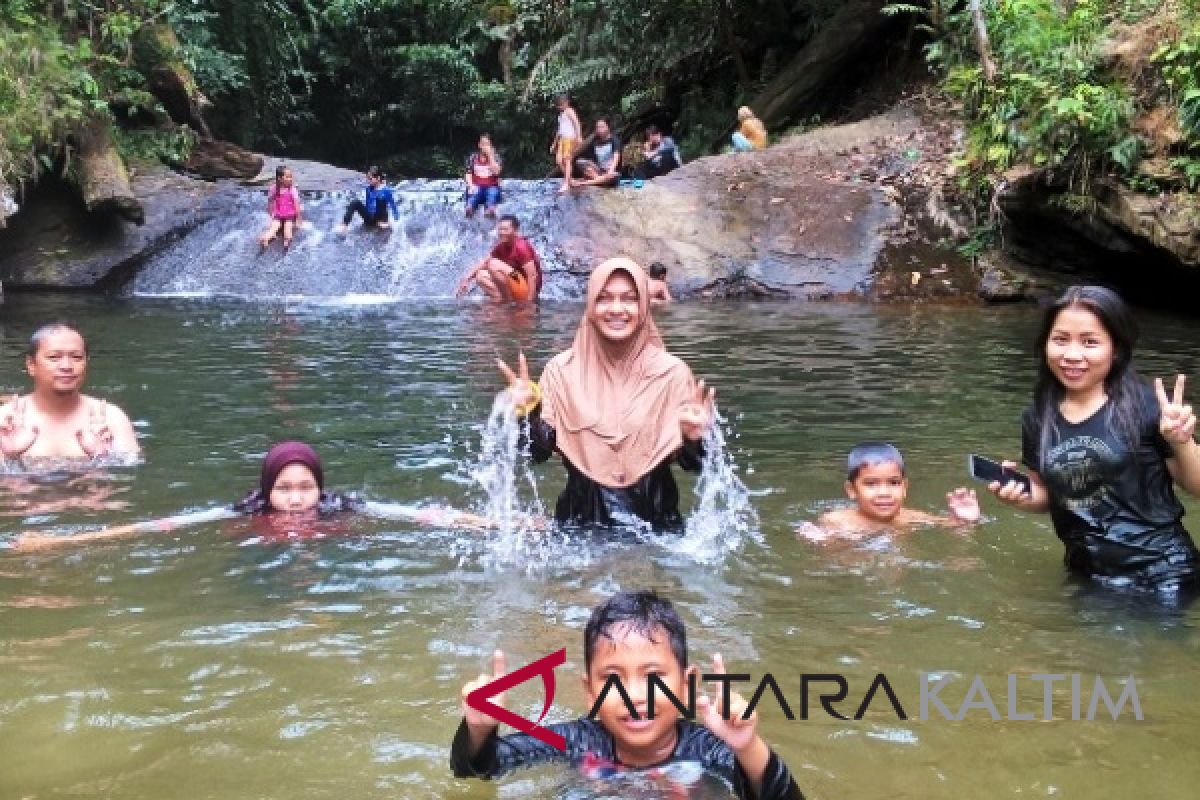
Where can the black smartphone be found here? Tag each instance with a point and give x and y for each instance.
(986, 470)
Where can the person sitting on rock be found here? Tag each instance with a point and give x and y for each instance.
(660, 295)
(283, 206)
(599, 161)
(751, 134)
(511, 272)
(483, 178)
(374, 210)
(660, 154)
(57, 421)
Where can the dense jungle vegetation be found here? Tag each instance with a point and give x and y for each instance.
(1076, 86)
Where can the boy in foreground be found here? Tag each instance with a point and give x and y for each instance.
(877, 483)
(633, 635)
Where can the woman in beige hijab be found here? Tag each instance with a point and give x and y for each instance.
(617, 406)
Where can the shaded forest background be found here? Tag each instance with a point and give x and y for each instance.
(411, 83)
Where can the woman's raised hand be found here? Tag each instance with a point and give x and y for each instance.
(1176, 422)
(520, 388)
(696, 415)
(16, 434)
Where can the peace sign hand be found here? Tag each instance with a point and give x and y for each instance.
(1177, 423)
(480, 724)
(727, 724)
(696, 415)
(520, 390)
(16, 434)
(97, 440)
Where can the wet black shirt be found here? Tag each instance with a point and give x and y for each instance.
(589, 744)
(1116, 513)
(653, 498)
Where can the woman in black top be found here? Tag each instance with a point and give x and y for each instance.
(1105, 450)
(617, 406)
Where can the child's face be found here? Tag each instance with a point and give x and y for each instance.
(295, 490)
(634, 658)
(286, 177)
(879, 491)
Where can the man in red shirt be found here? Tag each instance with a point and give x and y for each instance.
(511, 273)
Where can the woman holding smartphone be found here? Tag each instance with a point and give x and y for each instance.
(1105, 450)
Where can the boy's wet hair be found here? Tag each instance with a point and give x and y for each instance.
(510, 218)
(651, 130)
(872, 454)
(44, 332)
(374, 172)
(642, 612)
(657, 270)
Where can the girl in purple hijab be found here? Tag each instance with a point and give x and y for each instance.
(291, 489)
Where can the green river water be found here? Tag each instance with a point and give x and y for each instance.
(203, 664)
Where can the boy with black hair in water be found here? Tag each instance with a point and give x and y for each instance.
(633, 635)
(877, 482)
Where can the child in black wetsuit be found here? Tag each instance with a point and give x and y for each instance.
(633, 635)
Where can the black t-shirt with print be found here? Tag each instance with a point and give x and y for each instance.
(1116, 513)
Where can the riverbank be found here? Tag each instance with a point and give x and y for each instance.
(861, 211)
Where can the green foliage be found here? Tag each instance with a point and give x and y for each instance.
(155, 145)
(1056, 103)
(45, 90)
(65, 63)
(981, 239)
(1180, 64)
(362, 81)
(217, 71)
(1189, 167)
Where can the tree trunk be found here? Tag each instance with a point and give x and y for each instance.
(981, 42)
(506, 54)
(825, 59)
(103, 181)
(168, 78)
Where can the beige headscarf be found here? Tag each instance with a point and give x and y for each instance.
(615, 406)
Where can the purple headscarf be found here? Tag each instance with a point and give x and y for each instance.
(283, 454)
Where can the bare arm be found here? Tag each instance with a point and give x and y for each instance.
(615, 165)
(428, 515)
(124, 436)
(31, 541)
(1184, 466)
(1177, 426)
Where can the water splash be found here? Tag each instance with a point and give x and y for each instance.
(723, 517)
(426, 252)
(524, 535)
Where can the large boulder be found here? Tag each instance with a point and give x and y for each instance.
(775, 222)
(55, 243)
(214, 159)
